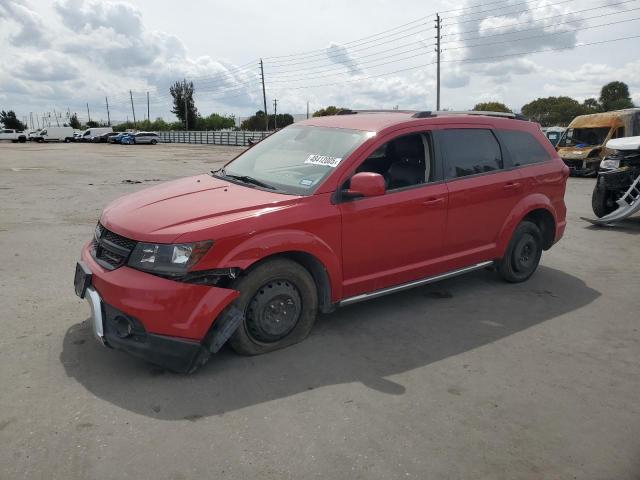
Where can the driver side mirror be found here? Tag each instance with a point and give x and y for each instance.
(365, 184)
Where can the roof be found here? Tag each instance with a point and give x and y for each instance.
(603, 119)
(372, 121)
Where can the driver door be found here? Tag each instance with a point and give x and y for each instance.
(396, 237)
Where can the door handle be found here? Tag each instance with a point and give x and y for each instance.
(511, 186)
(432, 202)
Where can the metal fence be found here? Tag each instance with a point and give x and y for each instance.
(217, 137)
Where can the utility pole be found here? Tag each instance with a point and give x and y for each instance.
(56, 117)
(307, 110)
(38, 121)
(133, 110)
(31, 118)
(88, 114)
(264, 98)
(275, 113)
(106, 100)
(438, 51)
(148, 117)
(186, 109)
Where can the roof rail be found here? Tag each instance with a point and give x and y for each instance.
(348, 111)
(427, 114)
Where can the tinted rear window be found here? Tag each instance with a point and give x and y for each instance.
(523, 147)
(470, 151)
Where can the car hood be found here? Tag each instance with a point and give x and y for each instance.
(164, 212)
(575, 153)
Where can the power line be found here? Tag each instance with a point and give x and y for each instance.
(396, 59)
(538, 26)
(398, 27)
(347, 55)
(476, 60)
(528, 22)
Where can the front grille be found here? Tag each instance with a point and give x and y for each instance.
(110, 249)
(577, 164)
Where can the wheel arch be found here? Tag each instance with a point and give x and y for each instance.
(536, 208)
(314, 266)
(310, 251)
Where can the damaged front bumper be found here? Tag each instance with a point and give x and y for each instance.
(582, 168)
(171, 324)
(628, 203)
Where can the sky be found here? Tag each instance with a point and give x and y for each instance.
(58, 56)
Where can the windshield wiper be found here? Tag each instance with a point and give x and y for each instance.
(245, 179)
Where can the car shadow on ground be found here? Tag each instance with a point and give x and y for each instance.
(361, 343)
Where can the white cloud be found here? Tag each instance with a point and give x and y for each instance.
(340, 55)
(30, 27)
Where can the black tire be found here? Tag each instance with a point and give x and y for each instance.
(66, 140)
(523, 253)
(279, 300)
(153, 142)
(602, 201)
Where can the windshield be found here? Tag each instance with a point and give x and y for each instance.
(584, 137)
(296, 159)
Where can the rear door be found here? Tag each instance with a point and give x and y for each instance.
(482, 192)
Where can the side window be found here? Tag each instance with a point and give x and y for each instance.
(523, 147)
(470, 151)
(619, 133)
(403, 162)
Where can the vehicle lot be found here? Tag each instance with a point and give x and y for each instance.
(468, 378)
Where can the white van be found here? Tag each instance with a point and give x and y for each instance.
(54, 134)
(90, 133)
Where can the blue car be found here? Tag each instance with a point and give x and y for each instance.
(128, 139)
(120, 137)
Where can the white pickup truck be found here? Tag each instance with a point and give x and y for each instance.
(13, 135)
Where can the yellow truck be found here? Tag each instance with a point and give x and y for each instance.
(582, 145)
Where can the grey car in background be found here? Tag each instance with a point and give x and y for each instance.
(146, 137)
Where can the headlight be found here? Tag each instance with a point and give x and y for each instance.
(167, 259)
(610, 164)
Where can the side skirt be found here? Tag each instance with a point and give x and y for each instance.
(415, 283)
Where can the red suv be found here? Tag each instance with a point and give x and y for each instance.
(324, 213)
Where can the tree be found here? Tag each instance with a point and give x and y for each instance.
(74, 122)
(10, 121)
(92, 124)
(330, 110)
(182, 93)
(615, 96)
(256, 122)
(492, 107)
(215, 122)
(552, 111)
(591, 105)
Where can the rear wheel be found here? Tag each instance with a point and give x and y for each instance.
(279, 300)
(523, 253)
(154, 141)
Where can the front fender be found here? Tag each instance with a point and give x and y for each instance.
(525, 206)
(258, 247)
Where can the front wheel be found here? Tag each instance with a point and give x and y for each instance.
(279, 300)
(153, 142)
(523, 253)
(602, 201)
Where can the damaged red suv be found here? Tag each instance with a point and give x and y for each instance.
(324, 213)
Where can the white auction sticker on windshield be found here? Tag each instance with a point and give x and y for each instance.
(323, 160)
